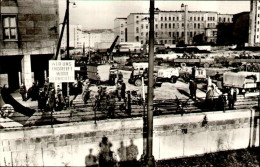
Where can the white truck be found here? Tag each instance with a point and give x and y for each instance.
(243, 80)
(169, 74)
(100, 73)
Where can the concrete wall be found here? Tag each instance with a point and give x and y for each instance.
(174, 136)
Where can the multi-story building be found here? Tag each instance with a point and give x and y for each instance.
(93, 37)
(120, 29)
(170, 26)
(76, 37)
(254, 24)
(29, 33)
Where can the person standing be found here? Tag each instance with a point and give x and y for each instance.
(193, 89)
(230, 101)
(23, 91)
(123, 88)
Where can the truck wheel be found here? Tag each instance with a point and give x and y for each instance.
(206, 65)
(173, 80)
(138, 82)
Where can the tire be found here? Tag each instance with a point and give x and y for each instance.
(173, 80)
(183, 64)
(206, 65)
(138, 82)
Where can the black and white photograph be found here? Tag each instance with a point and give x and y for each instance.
(129, 83)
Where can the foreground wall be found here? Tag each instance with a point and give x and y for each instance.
(174, 136)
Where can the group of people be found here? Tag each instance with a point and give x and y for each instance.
(48, 98)
(127, 156)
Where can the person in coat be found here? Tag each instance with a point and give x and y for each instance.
(23, 91)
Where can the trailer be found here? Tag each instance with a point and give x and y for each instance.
(101, 73)
(244, 81)
(205, 62)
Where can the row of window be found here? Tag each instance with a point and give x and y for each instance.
(171, 34)
(189, 25)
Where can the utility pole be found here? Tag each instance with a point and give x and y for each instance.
(68, 30)
(149, 152)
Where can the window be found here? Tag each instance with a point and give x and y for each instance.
(165, 41)
(170, 34)
(161, 25)
(182, 25)
(208, 25)
(156, 34)
(161, 18)
(137, 38)
(208, 18)
(137, 22)
(224, 19)
(219, 19)
(170, 26)
(177, 18)
(142, 26)
(9, 27)
(173, 25)
(228, 20)
(213, 18)
(137, 30)
(198, 25)
(190, 18)
(194, 18)
(173, 18)
(122, 25)
(156, 26)
(170, 18)
(165, 25)
(173, 34)
(165, 18)
(177, 34)
(142, 42)
(177, 25)
(194, 25)
(146, 26)
(122, 32)
(202, 18)
(190, 34)
(182, 34)
(142, 33)
(198, 18)
(137, 17)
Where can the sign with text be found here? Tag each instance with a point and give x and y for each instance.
(61, 71)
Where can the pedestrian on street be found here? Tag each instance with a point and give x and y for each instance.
(118, 90)
(120, 77)
(51, 99)
(60, 99)
(230, 101)
(193, 89)
(23, 91)
(42, 100)
(123, 88)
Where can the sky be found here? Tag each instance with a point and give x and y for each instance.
(101, 14)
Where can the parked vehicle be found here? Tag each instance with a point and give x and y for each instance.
(169, 74)
(244, 81)
(140, 70)
(101, 73)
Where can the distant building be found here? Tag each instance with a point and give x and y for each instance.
(120, 29)
(254, 24)
(92, 38)
(29, 33)
(169, 26)
(76, 37)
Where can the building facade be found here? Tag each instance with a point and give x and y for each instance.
(254, 24)
(76, 37)
(92, 38)
(29, 33)
(170, 26)
(120, 29)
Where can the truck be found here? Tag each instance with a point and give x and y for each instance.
(168, 74)
(244, 81)
(202, 61)
(140, 70)
(101, 73)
